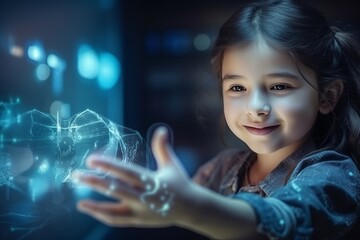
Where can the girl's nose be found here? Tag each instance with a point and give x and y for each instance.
(258, 105)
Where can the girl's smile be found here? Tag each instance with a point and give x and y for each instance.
(261, 131)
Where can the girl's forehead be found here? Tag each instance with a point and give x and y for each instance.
(259, 53)
(261, 58)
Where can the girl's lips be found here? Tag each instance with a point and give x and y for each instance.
(261, 131)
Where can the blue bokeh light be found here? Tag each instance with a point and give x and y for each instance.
(177, 42)
(202, 42)
(42, 72)
(109, 71)
(88, 62)
(55, 62)
(36, 52)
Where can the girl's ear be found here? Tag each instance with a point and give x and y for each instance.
(330, 96)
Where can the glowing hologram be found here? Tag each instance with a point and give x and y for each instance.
(36, 144)
(39, 152)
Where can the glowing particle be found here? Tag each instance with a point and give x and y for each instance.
(44, 167)
(351, 174)
(281, 222)
(148, 187)
(296, 187)
(165, 209)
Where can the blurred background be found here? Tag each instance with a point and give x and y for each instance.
(135, 62)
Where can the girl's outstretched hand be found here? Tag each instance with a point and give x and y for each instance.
(144, 198)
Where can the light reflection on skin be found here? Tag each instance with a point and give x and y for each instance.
(159, 191)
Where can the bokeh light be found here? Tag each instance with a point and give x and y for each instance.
(16, 51)
(58, 107)
(55, 108)
(202, 42)
(109, 71)
(55, 62)
(42, 72)
(36, 52)
(177, 42)
(88, 62)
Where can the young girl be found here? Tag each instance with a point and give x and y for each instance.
(290, 88)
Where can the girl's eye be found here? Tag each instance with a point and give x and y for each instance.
(237, 88)
(280, 87)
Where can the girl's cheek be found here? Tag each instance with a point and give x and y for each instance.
(300, 115)
(234, 103)
(302, 104)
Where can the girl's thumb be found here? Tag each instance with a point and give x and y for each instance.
(162, 150)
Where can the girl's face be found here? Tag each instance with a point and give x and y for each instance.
(267, 103)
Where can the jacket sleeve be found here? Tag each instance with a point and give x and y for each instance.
(321, 200)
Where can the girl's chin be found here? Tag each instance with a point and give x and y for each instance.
(263, 150)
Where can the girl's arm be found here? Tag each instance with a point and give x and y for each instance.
(166, 197)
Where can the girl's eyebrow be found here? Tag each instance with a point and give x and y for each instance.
(283, 75)
(232, 77)
(271, 75)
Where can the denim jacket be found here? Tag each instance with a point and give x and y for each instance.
(319, 199)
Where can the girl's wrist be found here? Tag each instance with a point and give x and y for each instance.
(195, 209)
(210, 214)
(188, 207)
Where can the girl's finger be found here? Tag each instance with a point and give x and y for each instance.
(105, 207)
(131, 174)
(110, 187)
(113, 214)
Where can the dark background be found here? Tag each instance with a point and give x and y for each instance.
(164, 78)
